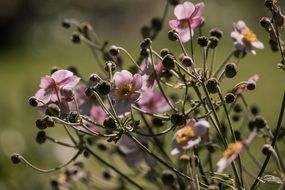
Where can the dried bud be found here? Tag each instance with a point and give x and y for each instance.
(94, 78)
(168, 177)
(53, 110)
(73, 117)
(274, 45)
(203, 41)
(110, 64)
(168, 62)
(41, 137)
(213, 42)
(145, 43)
(254, 110)
(216, 33)
(212, 86)
(251, 85)
(41, 124)
(164, 52)
(145, 31)
(260, 122)
(177, 119)
(230, 98)
(278, 18)
(156, 24)
(75, 38)
(33, 102)
(172, 35)
(230, 70)
(187, 61)
(144, 52)
(67, 93)
(66, 23)
(251, 125)
(49, 121)
(269, 3)
(265, 23)
(103, 88)
(114, 51)
(15, 158)
(267, 149)
(109, 123)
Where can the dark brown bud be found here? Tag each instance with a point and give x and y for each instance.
(216, 33)
(15, 158)
(203, 41)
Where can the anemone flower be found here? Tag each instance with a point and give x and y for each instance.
(190, 135)
(188, 16)
(244, 38)
(50, 86)
(127, 90)
(153, 102)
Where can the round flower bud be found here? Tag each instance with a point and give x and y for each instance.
(216, 33)
(103, 88)
(145, 43)
(187, 61)
(166, 74)
(168, 62)
(15, 158)
(114, 51)
(174, 2)
(230, 98)
(145, 31)
(89, 92)
(250, 85)
(267, 149)
(67, 93)
(177, 119)
(75, 38)
(41, 124)
(49, 121)
(156, 24)
(231, 70)
(278, 18)
(254, 110)
(94, 78)
(212, 86)
(213, 42)
(110, 64)
(237, 108)
(172, 35)
(109, 123)
(268, 3)
(33, 102)
(65, 23)
(265, 23)
(41, 137)
(73, 117)
(251, 125)
(53, 69)
(203, 41)
(164, 52)
(53, 110)
(260, 122)
(168, 177)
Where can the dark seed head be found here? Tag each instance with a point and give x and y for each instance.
(230, 70)
(177, 119)
(168, 177)
(15, 158)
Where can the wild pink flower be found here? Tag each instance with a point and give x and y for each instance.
(133, 154)
(187, 14)
(50, 86)
(153, 102)
(126, 91)
(190, 135)
(98, 115)
(244, 38)
(148, 76)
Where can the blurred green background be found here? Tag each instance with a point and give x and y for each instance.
(32, 41)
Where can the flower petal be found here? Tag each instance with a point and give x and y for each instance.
(122, 107)
(46, 82)
(61, 75)
(185, 35)
(199, 7)
(240, 25)
(257, 44)
(137, 82)
(183, 11)
(43, 96)
(122, 77)
(201, 128)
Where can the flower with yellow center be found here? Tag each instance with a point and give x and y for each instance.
(244, 38)
(184, 135)
(233, 148)
(124, 91)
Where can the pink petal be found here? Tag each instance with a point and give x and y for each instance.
(240, 25)
(122, 77)
(43, 96)
(137, 82)
(196, 22)
(176, 24)
(257, 44)
(183, 11)
(198, 10)
(185, 35)
(69, 82)
(61, 75)
(46, 82)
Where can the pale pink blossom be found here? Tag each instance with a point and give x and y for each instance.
(153, 102)
(50, 86)
(244, 38)
(188, 16)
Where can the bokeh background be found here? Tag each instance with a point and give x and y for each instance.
(32, 41)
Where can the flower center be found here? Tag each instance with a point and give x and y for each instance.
(248, 36)
(184, 135)
(233, 149)
(124, 91)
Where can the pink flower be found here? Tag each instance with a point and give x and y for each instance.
(126, 91)
(190, 135)
(187, 14)
(50, 86)
(133, 154)
(153, 102)
(97, 115)
(244, 38)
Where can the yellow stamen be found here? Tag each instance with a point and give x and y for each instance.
(248, 36)
(125, 91)
(233, 149)
(184, 135)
